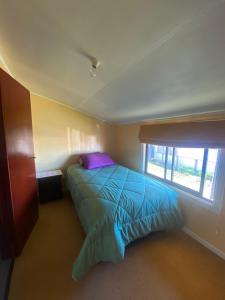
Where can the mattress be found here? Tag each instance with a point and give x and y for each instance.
(116, 206)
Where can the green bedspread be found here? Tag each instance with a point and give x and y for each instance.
(116, 206)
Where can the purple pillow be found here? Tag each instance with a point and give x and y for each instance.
(83, 158)
(96, 160)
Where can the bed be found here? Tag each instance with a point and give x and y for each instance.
(116, 206)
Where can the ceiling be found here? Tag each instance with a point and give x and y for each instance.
(158, 58)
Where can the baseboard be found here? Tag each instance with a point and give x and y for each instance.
(209, 246)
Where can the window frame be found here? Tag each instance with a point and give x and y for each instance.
(216, 203)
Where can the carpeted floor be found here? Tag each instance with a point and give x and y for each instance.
(163, 266)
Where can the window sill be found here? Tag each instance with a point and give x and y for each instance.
(214, 207)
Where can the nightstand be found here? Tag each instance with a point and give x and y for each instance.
(49, 185)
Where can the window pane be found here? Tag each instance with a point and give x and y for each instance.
(209, 176)
(169, 163)
(188, 167)
(156, 157)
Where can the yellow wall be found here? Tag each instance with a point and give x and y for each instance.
(203, 222)
(61, 132)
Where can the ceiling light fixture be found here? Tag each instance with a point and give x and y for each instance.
(94, 65)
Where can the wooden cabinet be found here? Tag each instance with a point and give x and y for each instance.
(49, 185)
(18, 188)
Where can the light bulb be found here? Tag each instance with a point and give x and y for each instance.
(93, 72)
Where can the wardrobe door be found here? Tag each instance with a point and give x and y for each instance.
(6, 213)
(16, 111)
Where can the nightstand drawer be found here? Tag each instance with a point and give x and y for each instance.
(49, 185)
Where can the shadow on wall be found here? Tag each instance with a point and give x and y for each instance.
(77, 143)
(57, 144)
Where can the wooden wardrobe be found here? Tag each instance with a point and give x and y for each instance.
(18, 188)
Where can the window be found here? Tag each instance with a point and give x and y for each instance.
(193, 170)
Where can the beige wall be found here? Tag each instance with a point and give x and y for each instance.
(203, 222)
(60, 133)
(128, 150)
